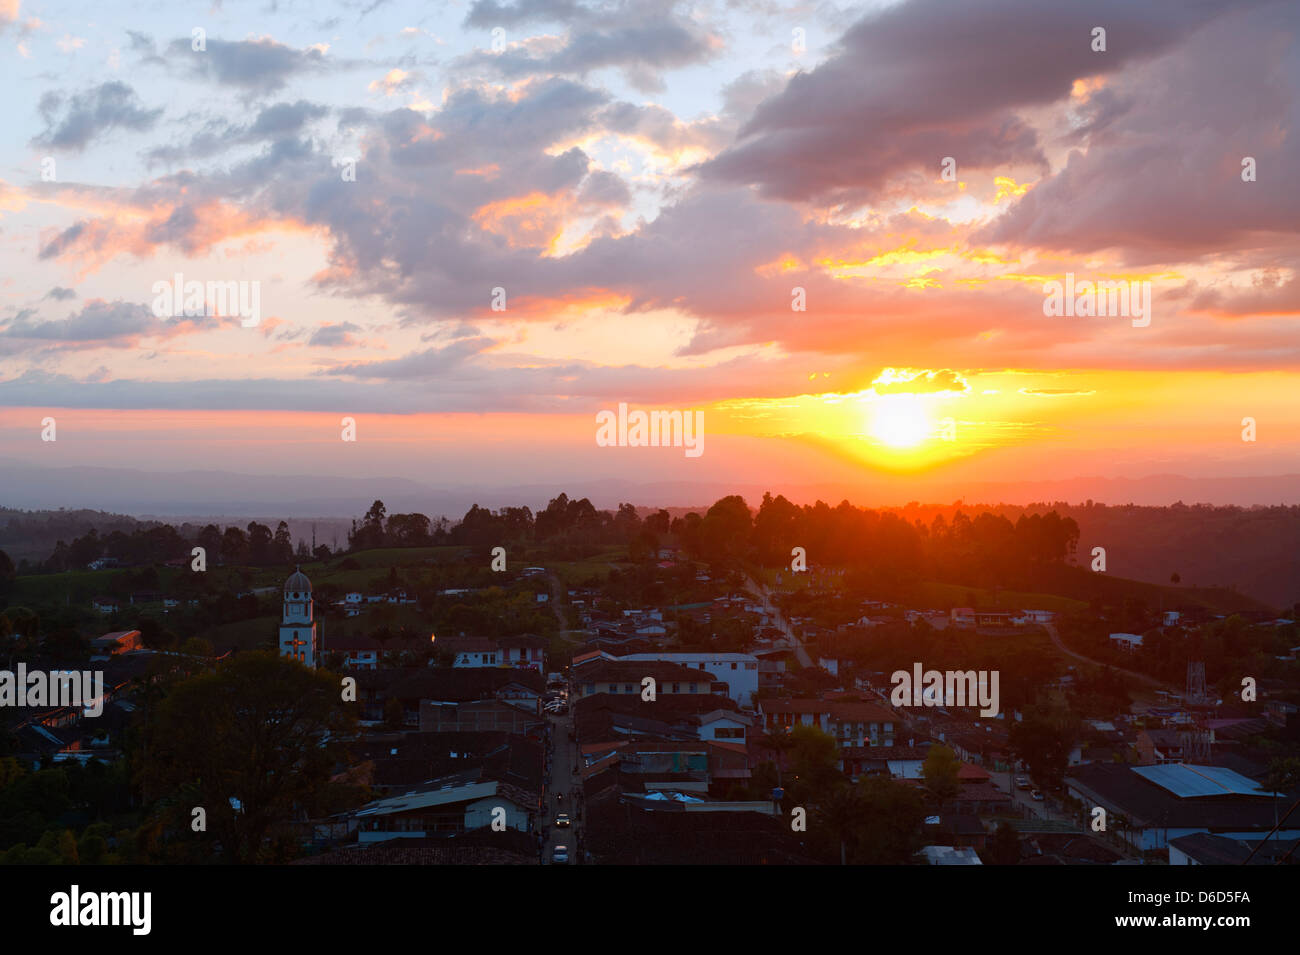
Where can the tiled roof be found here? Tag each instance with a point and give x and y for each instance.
(840, 710)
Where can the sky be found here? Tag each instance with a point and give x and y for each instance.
(830, 228)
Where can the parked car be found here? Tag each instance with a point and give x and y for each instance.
(1036, 796)
(560, 855)
(1022, 782)
(562, 820)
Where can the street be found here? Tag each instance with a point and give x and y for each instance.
(563, 782)
(762, 592)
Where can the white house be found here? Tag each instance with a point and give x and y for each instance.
(723, 726)
(1026, 617)
(738, 670)
(472, 652)
(1127, 641)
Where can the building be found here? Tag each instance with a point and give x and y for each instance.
(1202, 848)
(1151, 805)
(1127, 641)
(1037, 616)
(479, 716)
(363, 652)
(299, 639)
(625, 676)
(739, 671)
(851, 723)
(470, 652)
(951, 855)
(446, 807)
(524, 650)
(119, 641)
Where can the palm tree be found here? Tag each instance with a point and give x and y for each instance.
(841, 813)
(778, 742)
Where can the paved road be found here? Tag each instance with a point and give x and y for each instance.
(763, 594)
(1140, 677)
(558, 595)
(563, 782)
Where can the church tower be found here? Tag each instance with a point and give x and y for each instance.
(298, 625)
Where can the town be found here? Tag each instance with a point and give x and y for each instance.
(639, 687)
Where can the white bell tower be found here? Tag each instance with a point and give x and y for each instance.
(298, 639)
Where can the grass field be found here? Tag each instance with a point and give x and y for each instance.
(944, 596)
(572, 572)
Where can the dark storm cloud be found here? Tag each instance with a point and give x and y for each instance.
(927, 79)
(1162, 178)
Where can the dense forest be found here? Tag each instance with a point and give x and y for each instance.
(1254, 550)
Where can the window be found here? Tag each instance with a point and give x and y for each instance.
(692, 687)
(677, 688)
(733, 666)
(627, 688)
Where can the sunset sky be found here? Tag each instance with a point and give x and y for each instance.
(650, 182)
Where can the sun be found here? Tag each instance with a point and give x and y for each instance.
(899, 421)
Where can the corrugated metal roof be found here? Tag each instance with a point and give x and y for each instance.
(1186, 781)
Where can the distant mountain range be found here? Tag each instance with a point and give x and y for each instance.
(177, 493)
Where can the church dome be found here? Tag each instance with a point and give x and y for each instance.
(297, 583)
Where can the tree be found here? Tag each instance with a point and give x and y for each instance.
(210, 540)
(888, 831)
(260, 540)
(658, 523)
(940, 773)
(234, 547)
(726, 528)
(778, 743)
(254, 730)
(7, 573)
(843, 813)
(1043, 744)
(813, 758)
(1003, 846)
(408, 530)
(282, 544)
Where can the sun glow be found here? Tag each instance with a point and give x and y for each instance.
(900, 421)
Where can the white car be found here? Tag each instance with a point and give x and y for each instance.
(560, 855)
